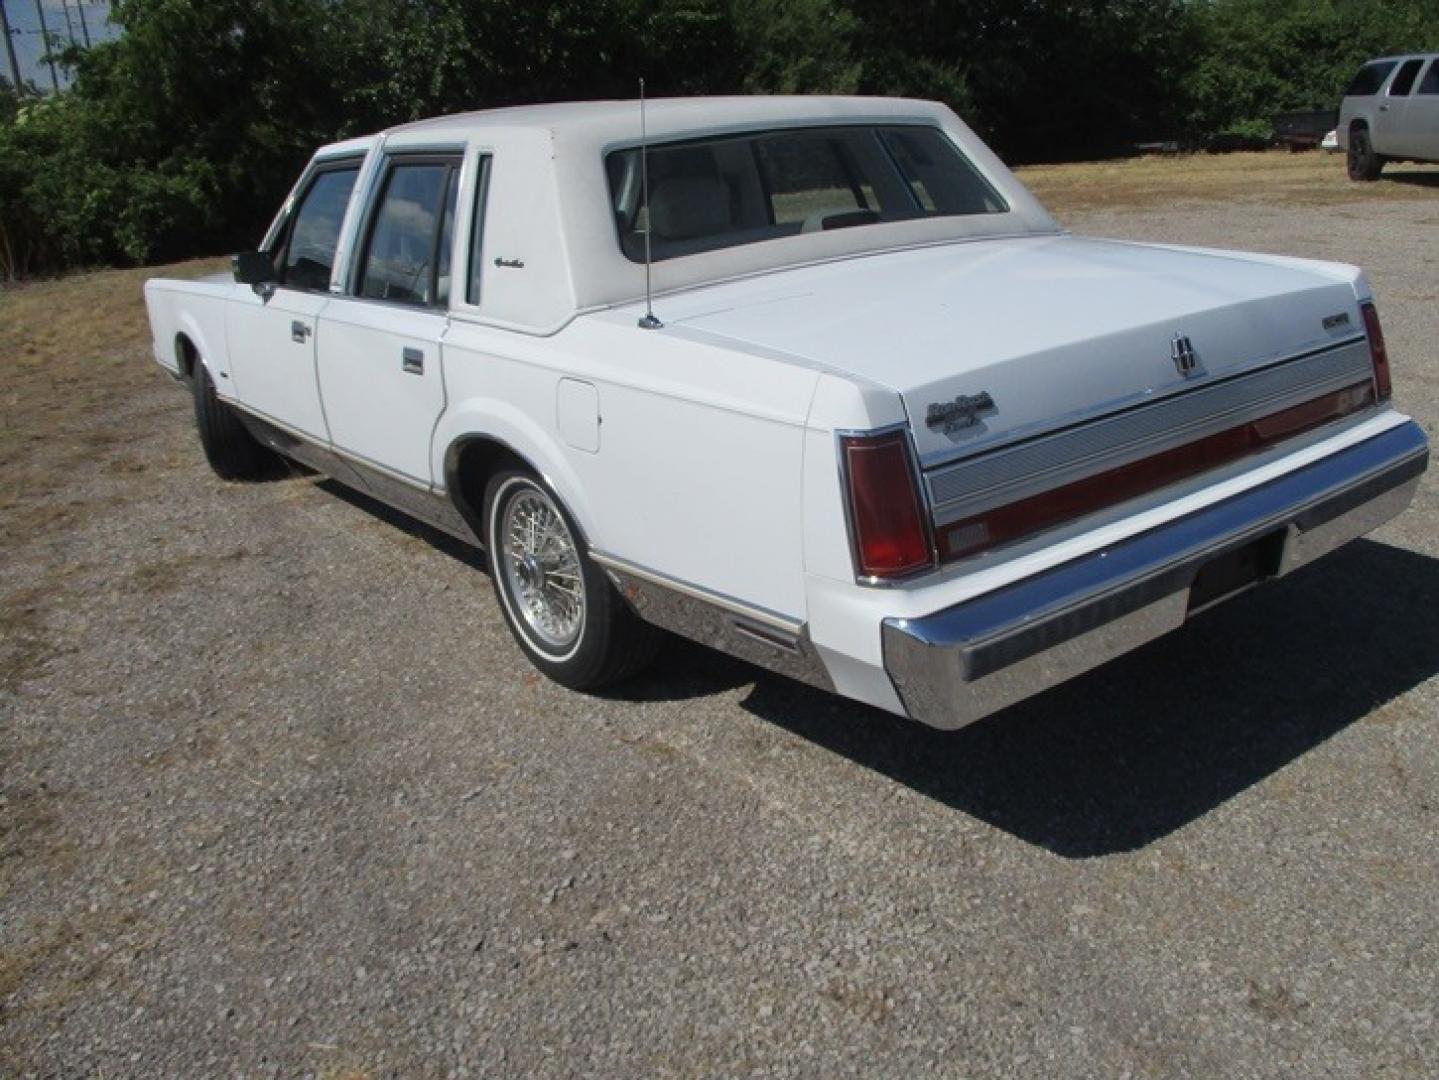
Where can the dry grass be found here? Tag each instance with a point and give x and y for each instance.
(68, 349)
(1310, 179)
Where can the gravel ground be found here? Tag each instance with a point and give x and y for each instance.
(280, 797)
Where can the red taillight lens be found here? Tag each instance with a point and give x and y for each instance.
(890, 538)
(1377, 352)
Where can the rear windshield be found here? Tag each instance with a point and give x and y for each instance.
(739, 189)
(1370, 78)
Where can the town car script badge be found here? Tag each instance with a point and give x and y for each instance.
(962, 412)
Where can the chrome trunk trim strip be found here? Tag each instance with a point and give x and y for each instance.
(1037, 464)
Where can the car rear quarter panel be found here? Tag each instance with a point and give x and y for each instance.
(697, 475)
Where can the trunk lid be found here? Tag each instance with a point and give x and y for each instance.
(1029, 334)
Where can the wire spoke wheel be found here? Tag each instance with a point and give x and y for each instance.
(541, 568)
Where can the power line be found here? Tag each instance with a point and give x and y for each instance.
(70, 26)
(10, 47)
(49, 54)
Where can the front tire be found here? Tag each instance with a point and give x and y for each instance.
(229, 448)
(560, 606)
(1364, 164)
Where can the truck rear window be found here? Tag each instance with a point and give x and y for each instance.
(739, 189)
(1370, 78)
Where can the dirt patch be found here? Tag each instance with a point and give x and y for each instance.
(1274, 176)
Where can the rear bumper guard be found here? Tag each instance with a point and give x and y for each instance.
(963, 663)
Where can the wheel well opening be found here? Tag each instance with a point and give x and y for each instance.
(186, 354)
(468, 468)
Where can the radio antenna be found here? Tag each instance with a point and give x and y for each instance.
(648, 322)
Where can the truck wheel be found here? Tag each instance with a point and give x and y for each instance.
(1364, 163)
(560, 606)
(231, 450)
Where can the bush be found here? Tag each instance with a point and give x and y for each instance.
(181, 137)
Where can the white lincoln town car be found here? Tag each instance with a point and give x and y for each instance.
(882, 424)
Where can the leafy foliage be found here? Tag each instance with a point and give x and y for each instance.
(182, 135)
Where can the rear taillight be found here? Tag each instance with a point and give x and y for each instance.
(885, 514)
(1377, 352)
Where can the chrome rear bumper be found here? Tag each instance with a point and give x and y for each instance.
(965, 662)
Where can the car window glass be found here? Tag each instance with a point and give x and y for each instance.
(726, 190)
(807, 176)
(400, 256)
(310, 253)
(1405, 79)
(940, 179)
(1430, 85)
(477, 232)
(1370, 78)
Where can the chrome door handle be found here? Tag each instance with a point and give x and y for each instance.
(412, 361)
(299, 331)
(1383, 108)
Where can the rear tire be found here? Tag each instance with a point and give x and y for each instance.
(559, 604)
(1364, 164)
(229, 448)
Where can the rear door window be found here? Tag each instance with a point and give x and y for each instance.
(1430, 85)
(1370, 78)
(406, 258)
(1404, 81)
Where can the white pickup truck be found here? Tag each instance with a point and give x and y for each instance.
(889, 429)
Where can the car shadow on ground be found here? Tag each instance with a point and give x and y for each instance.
(1428, 179)
(1124, 755)
(1127, 754)
(436, 538)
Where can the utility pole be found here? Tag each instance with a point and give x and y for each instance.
(84, 29)
(45, 39)
(69, 26)
(10, 48)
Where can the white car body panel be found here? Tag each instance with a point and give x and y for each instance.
(702, 458)
(270, 371)
(377, 409)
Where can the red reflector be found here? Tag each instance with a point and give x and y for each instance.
(890, 539)
(1128, 481)
(1377, 352)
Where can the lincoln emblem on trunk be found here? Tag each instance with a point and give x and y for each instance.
(1186, 360)
(962, 412)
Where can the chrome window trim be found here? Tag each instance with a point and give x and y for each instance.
(1020, 469)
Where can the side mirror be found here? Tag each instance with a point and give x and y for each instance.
(255, 269)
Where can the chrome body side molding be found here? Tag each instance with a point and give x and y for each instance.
(773, 641)
(963, 663)
(433, 507)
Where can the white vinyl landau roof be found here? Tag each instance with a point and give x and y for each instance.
(548, 204)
